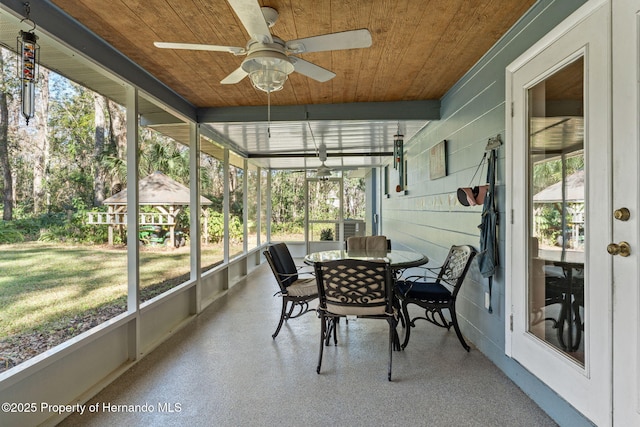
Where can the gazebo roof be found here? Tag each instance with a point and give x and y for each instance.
(574, 191)
(157, 189)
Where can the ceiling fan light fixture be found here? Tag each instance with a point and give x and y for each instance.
(323, 171)
(268, 70)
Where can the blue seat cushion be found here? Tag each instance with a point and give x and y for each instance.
(424, 291)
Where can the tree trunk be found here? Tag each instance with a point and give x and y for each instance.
(41, 144)
(7, 194)
(117, 141)
(99, 175)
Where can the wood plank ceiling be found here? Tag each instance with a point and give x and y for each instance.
(420, 47)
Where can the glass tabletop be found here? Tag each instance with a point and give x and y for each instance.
(396, 258)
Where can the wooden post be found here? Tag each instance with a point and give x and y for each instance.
(111, 220)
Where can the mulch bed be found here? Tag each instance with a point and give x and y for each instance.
(18, 348)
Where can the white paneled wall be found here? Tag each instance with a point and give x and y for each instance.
(429, 218)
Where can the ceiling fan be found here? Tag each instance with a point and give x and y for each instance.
(270, 59)
(323, 171)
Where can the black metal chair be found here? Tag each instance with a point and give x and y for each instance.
(360, 288)
(296, 291)
(437, 292)
(567, 290)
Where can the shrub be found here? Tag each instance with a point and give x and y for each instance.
(28, 227)
(326, 234)
(9, 233)
(236, 232)
(215, 226)
(71, 226)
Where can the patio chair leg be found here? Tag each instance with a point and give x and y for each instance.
(393, 342)
(290, 312)
(334, 329)
(282, 315)
(407, 331)
(396, 338)
(323, 332)
(330, 330)
(454, 321)
(398, 308)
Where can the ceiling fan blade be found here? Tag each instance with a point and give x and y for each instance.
(235, 77)
(311, 70)
(337, 41)
(196, 46)
(252, 18)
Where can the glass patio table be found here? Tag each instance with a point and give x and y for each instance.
(396, 258)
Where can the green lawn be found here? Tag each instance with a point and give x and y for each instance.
(52, 292)
(45, 284)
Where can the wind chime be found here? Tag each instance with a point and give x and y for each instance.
(29, 52)
(398, 159)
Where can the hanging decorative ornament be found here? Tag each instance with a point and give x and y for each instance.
(398, 158)
(397, 145)
(29, 51)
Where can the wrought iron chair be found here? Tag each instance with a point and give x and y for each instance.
(296, 291)
(368, 243)
(360, 288)
(437, 292)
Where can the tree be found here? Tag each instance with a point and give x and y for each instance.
(99, 103)
(160, 153)
(549, 172)
(7, 188)
(71, 132)
(354, 198)
(287, 198)
(116, 153)
(40, 142)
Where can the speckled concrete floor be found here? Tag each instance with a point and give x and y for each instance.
(224, 369)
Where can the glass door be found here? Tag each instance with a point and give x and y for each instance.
(559, 199)
(556, 207)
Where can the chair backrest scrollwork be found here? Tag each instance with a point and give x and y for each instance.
(355, 287)
(456, 265)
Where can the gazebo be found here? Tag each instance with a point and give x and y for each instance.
(567, 196)
(157, 190)
(573, 191)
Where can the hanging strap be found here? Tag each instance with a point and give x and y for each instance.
(481, 164)
(491, 177)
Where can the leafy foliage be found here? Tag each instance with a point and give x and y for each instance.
(326, 234)
(9, 233)
(549, 215)
(215, 227)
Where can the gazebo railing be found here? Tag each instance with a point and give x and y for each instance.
(120, 218)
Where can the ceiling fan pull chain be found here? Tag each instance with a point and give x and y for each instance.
(269, 114)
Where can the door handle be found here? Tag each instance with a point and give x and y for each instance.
(622, 249)
(622, 214)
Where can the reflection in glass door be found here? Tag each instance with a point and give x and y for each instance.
(556, 207)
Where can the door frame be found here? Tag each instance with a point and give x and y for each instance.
(626, 138)
(600, 373)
